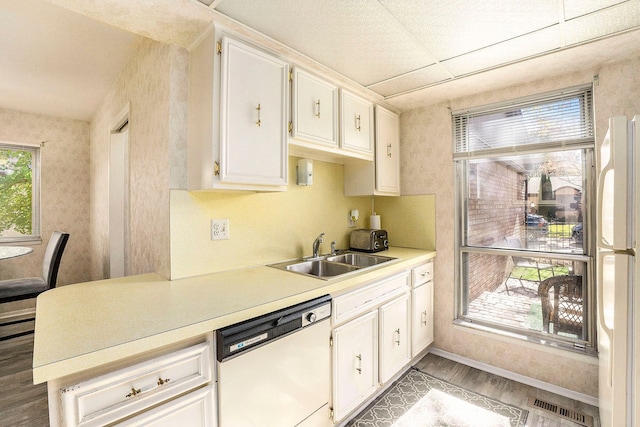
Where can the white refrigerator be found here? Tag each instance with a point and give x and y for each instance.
(618, 295)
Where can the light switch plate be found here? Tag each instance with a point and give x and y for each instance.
(219, 229)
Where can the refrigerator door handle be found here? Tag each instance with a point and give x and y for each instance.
(601, 181)
(601, 318)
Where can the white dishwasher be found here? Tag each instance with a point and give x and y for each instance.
(274, 370)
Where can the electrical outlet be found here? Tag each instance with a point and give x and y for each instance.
(219, 229)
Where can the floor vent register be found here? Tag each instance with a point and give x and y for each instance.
(569, 414)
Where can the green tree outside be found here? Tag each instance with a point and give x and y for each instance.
(16, 191)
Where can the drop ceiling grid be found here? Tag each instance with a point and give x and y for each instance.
(419, 78)
(576, 8)
(529, 45)
(449, 29)
(618, 18)
(357, 38)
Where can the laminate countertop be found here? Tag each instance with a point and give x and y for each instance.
(87, 325)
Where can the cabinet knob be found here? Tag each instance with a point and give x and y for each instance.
(163, 381)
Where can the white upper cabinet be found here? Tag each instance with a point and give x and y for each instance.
(314, 109)
(356, 123)
(387, 152)
(238, 121)
(381, 177)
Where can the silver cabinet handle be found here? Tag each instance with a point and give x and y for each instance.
(359, 368)
(358, 122)
(398, 332)
(388, 150)
(318, 108)
(259, 122)
(424, 317)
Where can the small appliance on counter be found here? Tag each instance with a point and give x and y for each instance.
(369, 240)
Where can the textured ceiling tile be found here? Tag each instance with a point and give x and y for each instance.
(357, 38)
(173, 22)
(420, 78)
(608, 21)
(449, 28)
(503, 53)
(575, 8)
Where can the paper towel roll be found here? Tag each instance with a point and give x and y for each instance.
(374, 222)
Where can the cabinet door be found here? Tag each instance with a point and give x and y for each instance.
(422, 313)
(195, 409)
(356, 123)
(387, 152)
(314, 109)
(395, 337)
(253, 115)
(355, 363)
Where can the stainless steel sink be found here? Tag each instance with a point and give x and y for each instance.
(330, 266)
(361, 260)
(321, 268)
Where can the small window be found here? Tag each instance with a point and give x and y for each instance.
(19, 192)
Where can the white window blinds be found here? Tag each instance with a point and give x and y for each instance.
(563, 118)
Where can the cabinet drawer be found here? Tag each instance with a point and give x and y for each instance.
(122, 393)
(195, 409)
(422, 274)
(359, 301)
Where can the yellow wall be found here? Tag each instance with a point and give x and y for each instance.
(270, 227)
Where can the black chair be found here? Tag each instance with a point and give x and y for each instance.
(30, 287)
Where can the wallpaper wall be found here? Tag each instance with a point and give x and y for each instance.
(427, 168)
(64, 191)
(154, 85)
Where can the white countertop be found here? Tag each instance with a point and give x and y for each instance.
(87, 325)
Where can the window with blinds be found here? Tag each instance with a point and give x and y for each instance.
(564, 117)
(524, 195)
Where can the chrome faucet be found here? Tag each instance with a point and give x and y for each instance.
(316, 245)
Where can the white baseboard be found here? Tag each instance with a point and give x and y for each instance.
(542, 385)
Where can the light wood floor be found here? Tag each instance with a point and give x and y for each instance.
(504, 390)
(25, 404)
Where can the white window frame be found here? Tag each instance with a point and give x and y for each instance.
(36, 231)
(462, 154)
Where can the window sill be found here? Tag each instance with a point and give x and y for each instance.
(32, 240)
(567, 350)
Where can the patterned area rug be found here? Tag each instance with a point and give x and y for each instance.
(420, 400)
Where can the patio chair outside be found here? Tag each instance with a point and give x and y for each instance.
(524, 263)
(565, 310)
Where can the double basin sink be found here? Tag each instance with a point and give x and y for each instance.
(330, 266)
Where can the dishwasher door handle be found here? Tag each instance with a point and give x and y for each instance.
(287, 319)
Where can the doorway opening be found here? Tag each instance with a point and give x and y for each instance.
(119, 198)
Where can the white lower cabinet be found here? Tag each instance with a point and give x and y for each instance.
(355, 363)
(422, 308)
(369, 322)
(422, 328)
(173, 388)
(395, 336)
